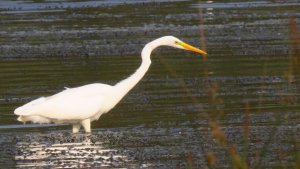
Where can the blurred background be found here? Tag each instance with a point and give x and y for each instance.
(236, 108)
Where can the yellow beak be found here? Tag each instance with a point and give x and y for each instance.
(192, 48)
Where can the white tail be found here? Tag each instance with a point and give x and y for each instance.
(29, 108)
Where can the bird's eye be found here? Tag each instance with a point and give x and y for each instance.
(176, 42)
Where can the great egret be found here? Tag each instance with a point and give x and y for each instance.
(81, 105)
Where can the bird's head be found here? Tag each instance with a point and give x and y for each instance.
(177, 43)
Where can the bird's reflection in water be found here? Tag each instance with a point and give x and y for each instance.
(66, 151)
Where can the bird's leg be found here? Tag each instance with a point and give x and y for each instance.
(86, 125)
(76, 128)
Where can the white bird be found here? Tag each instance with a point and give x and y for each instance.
(81, 105)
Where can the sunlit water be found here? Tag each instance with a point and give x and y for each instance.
(164, 121)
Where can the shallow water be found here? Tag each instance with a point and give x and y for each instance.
(164, 121)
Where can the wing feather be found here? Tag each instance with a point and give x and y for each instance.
(70, 104)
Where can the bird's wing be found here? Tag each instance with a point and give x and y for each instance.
(70, 107)
(70, 104)
(25, 109)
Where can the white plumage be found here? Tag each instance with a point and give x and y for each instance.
(79, 106)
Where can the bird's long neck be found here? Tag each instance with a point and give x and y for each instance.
(124, 86)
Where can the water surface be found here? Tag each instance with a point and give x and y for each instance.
(164, 121)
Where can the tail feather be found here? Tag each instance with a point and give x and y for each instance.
(34, 119)
(22, 111)
(29, 108)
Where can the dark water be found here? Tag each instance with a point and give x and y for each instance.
(164, 121)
